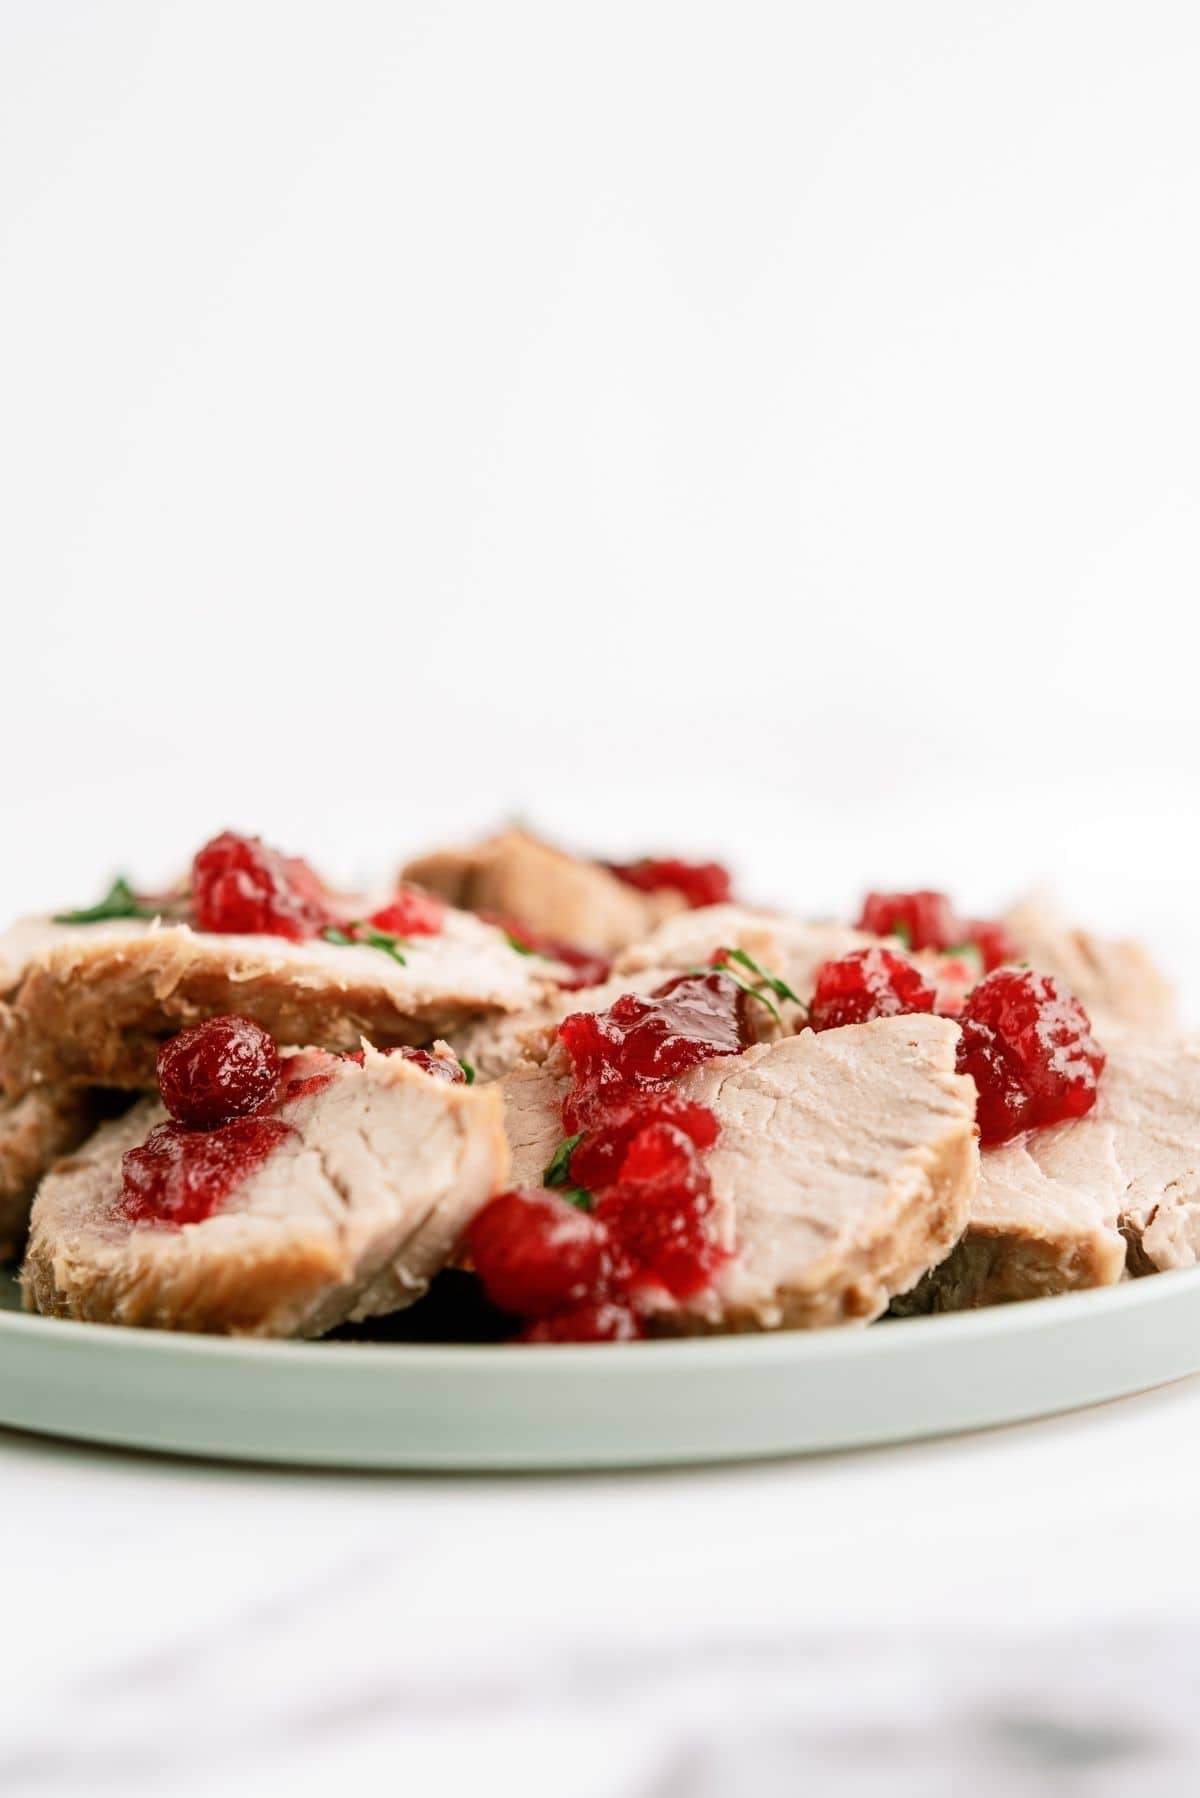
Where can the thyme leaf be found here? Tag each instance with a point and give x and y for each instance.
(120, 901)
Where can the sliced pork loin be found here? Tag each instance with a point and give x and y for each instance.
(846, 1166)
(1074, 1205)
(516, 875)
(34, 1131)
(1116, 982)
(350, 1216)
(90, 1003)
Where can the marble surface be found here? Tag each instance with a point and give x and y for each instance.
(1015, 1611)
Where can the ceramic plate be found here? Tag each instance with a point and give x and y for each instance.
(636, 1404)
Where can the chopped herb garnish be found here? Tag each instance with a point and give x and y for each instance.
(576, 1195)
(120, 901)
(559, 1170)
(902, 930)
(468, 1071)
(516, 943)
(365, 936)
(777, 986)
(722, 966)
(969, 952)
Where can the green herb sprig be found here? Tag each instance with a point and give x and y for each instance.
(120, 901)
(764, 976)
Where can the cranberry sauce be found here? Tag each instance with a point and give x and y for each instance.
(636, 1221)
(181, 1176)
(866, 984)
(929, 921)
(1027, 1043)
(698, 883)
(218, 1080)
(242, 887)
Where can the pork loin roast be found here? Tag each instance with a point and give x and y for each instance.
(1074, 1205)
(1117, 983)
(34, 1131)
(90, 1003)
(846, 1166)
(350, 1216)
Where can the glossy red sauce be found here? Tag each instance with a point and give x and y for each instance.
(1028, 1045)
(927, 920)
(181, 1176)
(866, 984)
(583, 1275)
(699, 883)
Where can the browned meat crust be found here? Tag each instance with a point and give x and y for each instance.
(34, 1132)
(93, 1005)
(515, 875)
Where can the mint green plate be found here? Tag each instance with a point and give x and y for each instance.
(638, 1404)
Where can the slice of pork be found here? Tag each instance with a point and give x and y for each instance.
(90, 1003)
(1074, 1205)
(846, 1166)
(34, 1131)
(350, 1217)
(1116, 982)
(518, 876)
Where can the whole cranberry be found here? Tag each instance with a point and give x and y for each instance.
(224, 1068)
(866, 984)
(536, 1254)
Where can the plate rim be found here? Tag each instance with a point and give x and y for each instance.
(849, 1340)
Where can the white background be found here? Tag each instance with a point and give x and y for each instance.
(758, 429)
(770, 429)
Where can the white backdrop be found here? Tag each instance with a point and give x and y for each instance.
(763, 427)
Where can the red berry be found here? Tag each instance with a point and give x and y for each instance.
(700, 883)
(411, 913)
(535, 1254)
(596, 1321)
(866, 984)
(223, 1068)
(1028, 1045)
(181, 1176)
(241, 887)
